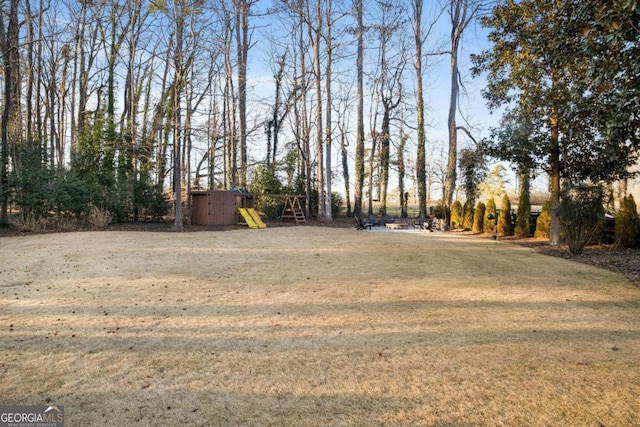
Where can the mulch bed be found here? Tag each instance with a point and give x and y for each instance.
(610, 257)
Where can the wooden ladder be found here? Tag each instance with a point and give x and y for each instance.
(293, 210)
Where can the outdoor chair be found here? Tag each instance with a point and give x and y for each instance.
(361, 225)
(423, 223)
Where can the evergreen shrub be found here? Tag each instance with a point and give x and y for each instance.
(478, 218)
(581, 215)
(505, 223)
(265, 183)
(523, 218)
(627, 225)
(543, 223)
(456, 215)
(490, 209)
(467, 216)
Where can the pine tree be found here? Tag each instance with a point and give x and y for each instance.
(490, 209)
(478, 218)
(505, 223)
(543, 223)
(456, 214)
(467, 215)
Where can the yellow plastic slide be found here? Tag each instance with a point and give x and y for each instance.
(256, 218)
(247, 218)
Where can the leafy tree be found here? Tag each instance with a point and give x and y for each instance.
(569, 67)
(512, 142)
(493, 184)
(505, 223)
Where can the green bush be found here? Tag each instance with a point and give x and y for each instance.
(543, 223)
(151, 200)
(70, 194)
(478, 218)
(581, 215)
(265, 183)
(456, 215)
(32, 182)
(505, 223)
(627, 225)
(438, 211)
(523, 218)
(490, 209)
(336, 205)
(467, 216)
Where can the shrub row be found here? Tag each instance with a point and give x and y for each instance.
(581, 216)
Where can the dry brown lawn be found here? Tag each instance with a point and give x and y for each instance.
(314, 326)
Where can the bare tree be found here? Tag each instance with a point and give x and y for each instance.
(359, 155)
(282, 106)
(11, 124)
(389, 86)
(462, 13)
(328, 216)
(181, 14)
(420, 40)
(243, 42)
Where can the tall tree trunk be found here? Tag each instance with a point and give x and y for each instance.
(461, 12)
(450, 181)
(345, 169)
(62, 100)
(178, 134)
(30, 74)
(229, 105)
(554, 181)
(523, 217)
(318, 88)
(385, 145)
(85, 60)
(359, 155)
(328, 132)
(242, 40)
(163, 112)
(372, 157)
(303, 117)
(421, 175)
(11, 124)
(401, 173)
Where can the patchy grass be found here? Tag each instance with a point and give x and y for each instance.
(313, 326)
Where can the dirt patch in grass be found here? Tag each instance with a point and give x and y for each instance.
(314, 326)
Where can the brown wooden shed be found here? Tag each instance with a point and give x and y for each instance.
(214, 207)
